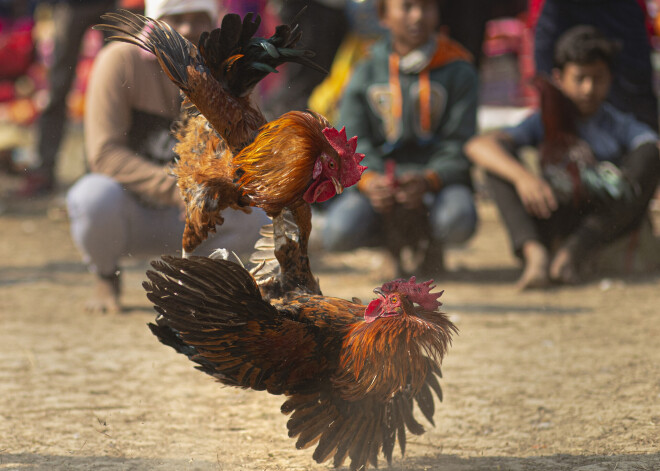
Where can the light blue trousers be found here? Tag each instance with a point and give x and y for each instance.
(351, 222)
(108, 223)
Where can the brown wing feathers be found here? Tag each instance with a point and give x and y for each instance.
(214, 306)
(212, 311)
(232, 116)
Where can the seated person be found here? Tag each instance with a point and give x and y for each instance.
(413, 104)
(130, 204)
(617, 185)
(632, 88)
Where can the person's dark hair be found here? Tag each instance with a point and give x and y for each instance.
(584, 45)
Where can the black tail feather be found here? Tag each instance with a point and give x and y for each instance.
(168, 336)
(157, 37)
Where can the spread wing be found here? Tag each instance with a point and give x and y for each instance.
(239, 60)
(233, 116)
(212, 311)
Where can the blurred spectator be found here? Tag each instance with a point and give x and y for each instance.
(600, 189)
(71, 18)
(622, 20)
(130, 203)
(412, 102)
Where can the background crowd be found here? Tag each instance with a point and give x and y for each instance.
(419, 81)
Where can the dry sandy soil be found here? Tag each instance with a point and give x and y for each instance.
(567, 379)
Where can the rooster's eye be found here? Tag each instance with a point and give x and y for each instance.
(331, 164)
(394, 299)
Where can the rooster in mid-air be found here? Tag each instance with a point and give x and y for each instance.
(351, 373)
(229, 156)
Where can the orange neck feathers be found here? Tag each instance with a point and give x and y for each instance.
(382, 357)
(276, 169)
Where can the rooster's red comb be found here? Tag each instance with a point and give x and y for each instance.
(337, 140)
(351, 170)
(419, 293)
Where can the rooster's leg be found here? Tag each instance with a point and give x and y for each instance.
(291, 249)
(302, 216)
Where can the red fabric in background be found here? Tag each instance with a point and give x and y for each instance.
(16, 47)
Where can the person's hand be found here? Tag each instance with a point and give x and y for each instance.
(380, 193)
(411, 189)
(536, 195)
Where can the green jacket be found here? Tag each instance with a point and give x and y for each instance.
(367, 110)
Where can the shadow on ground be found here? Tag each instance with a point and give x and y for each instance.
(41, 462)
(54, 272)
(515, 309)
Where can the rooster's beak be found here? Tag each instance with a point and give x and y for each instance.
(339, 188)
(379, 291)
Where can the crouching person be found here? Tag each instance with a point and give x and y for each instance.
(554, 232)
(129, 205)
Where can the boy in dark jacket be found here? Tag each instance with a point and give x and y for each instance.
(617, 187)
(413, 103)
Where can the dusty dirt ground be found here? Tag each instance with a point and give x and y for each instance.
(567, 379)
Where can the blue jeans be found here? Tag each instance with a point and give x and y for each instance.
(351, 221)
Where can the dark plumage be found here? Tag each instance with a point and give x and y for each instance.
(351, 373)
(229, 156)
(240, 61)
(563, 154)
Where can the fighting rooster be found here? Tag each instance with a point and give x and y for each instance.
(563, 155)
(567, 161)
(229, 156)
(351, 373)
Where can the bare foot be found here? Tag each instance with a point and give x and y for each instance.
(563, 269)
(106, 296)
(535, 273)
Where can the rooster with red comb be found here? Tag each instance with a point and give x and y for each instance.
(351, 374)
(229, 156)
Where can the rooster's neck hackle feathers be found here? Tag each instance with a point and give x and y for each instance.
(285, 149)
(378, 357)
